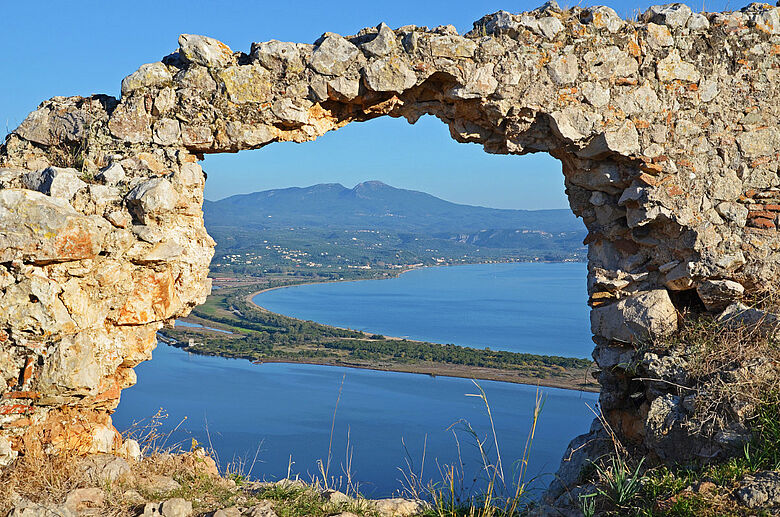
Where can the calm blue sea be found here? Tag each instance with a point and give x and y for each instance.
(385, 420)
(527, 307)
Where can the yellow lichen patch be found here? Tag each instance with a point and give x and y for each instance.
(246, 83)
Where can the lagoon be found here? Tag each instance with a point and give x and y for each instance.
(538, 308)
(385, 419)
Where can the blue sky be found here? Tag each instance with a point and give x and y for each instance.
(83, 47)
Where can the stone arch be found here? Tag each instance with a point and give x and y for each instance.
(669, 146)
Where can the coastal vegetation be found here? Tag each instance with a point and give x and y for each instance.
(233, 326)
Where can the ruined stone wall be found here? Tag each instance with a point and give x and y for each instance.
(667, 130)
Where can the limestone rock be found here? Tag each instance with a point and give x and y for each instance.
(130, 122)
(85, 498)
(596, 94)
(735, 212)
(29, 509)
(333, 55)
(622, 140)
(658, 36)
(761, 490)
(383, 44)
(205, 51)
(636, 319)
(26, 215)
(546, 26)
(603, 17)
(389, 74)
(674, 68)
(246, 83)
(55, 182)
(104, 468)
(264, 509)
(453, 47)
(397, 507)
(159, 484)
(112, 174)
(130, 449)
(609, 62)
(563, 69)
(336, 497)
(698, 22)
(759, 142)
(176, 507)
(574, 124)
(278, 56)
(150, 75)
(673, 15)
(154, 196)
(717, 294)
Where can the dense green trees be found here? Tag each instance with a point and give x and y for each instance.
(259, 334)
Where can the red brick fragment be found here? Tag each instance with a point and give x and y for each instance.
(763, 222)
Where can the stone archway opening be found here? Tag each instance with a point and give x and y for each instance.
(669, 148)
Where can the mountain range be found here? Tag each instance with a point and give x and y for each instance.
(373, 204)
(377, 223)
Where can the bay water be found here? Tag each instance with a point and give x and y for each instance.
(538, 308)
(379, 426)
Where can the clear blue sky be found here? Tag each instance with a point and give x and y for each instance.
(83, 47)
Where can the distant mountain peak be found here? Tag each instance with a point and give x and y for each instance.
(376, 205)
(372, 185)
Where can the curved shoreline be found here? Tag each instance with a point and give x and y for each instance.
(249, 297)
(573, 379)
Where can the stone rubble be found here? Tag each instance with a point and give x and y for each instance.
(666, 128)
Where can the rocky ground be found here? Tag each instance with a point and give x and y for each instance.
(171, 485)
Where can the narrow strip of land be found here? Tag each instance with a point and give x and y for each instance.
(234, 326)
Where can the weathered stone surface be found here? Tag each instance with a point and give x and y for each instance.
(205, 51)
(718, 294)
(761, 490)
(248, 83)
(637, 318)
(25, 214)
(389, 74)
(278, 56)
(759, 142)
(150, 75)
(333, 55)
(623, 139)
(658, 36)
(564, 69)
(111, 175)
(54, 182)
(603, 17)
(176, 507)
(383, 44)
(151, 197)
(84, 499)
(673, 68)
(397, 507)
(673, 15)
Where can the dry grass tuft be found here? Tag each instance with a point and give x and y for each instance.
(40, 477)
(732, 364)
